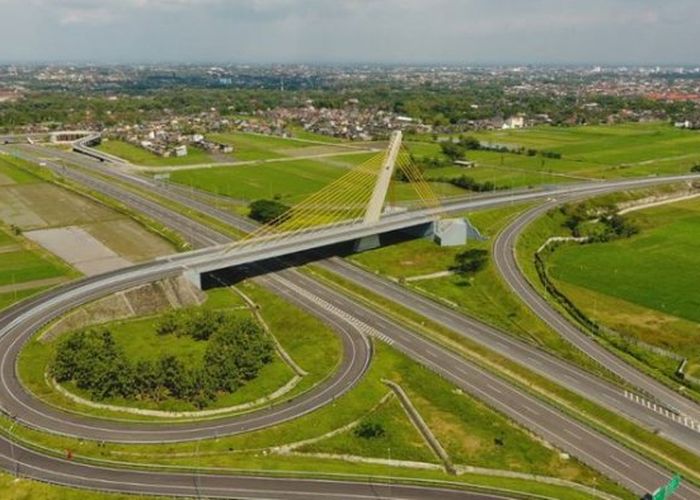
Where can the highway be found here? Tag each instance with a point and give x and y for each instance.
(593, 448)
(566, 374)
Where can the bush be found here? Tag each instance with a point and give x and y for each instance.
(369, 430)
(466, 182)
(470, 261)
(695, 168)
(265, 211)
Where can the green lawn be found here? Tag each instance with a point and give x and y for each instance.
(400, 441)
(140, 156)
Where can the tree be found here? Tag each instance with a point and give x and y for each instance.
(265, 211)
(695, 168)
(469, 142)
(470, 261)
(93, 360)
(454, 151)
(235, 354)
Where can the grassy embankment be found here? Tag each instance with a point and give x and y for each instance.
(25, 489)
(470, 432)
(483, 295)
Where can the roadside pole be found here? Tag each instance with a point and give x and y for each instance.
(12, 450)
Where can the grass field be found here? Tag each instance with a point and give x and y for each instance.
(251, 147)
(630, 149)
(653, 272)
(24, 265)
(291, 180)
(140, 156)
(401, 439)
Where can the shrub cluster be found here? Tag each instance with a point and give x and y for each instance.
(466, 182)
(613, 225)
(236, 350)
(369, 430)
(457, 150)
(470, 261)
(265, 211)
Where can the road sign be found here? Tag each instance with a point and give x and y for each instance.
(668, 489)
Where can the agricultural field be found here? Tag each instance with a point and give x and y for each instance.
(252, 147)
(588, 153)
(609, 151)
(645, 286)
(26, 269)
(34, 206)
(11, 172)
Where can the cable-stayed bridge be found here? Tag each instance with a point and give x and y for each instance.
(352, 209)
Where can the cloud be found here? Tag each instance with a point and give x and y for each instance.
(460, 31)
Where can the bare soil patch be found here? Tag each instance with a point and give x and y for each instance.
(129, 239)
(77, 247)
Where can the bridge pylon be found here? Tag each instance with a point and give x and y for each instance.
(376, 202)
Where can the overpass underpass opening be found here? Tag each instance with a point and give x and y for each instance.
(231, 275)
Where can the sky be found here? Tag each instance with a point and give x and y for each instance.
(351, 31)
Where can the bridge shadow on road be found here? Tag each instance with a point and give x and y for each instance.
(234, 275)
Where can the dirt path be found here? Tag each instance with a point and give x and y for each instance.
(658, 203)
